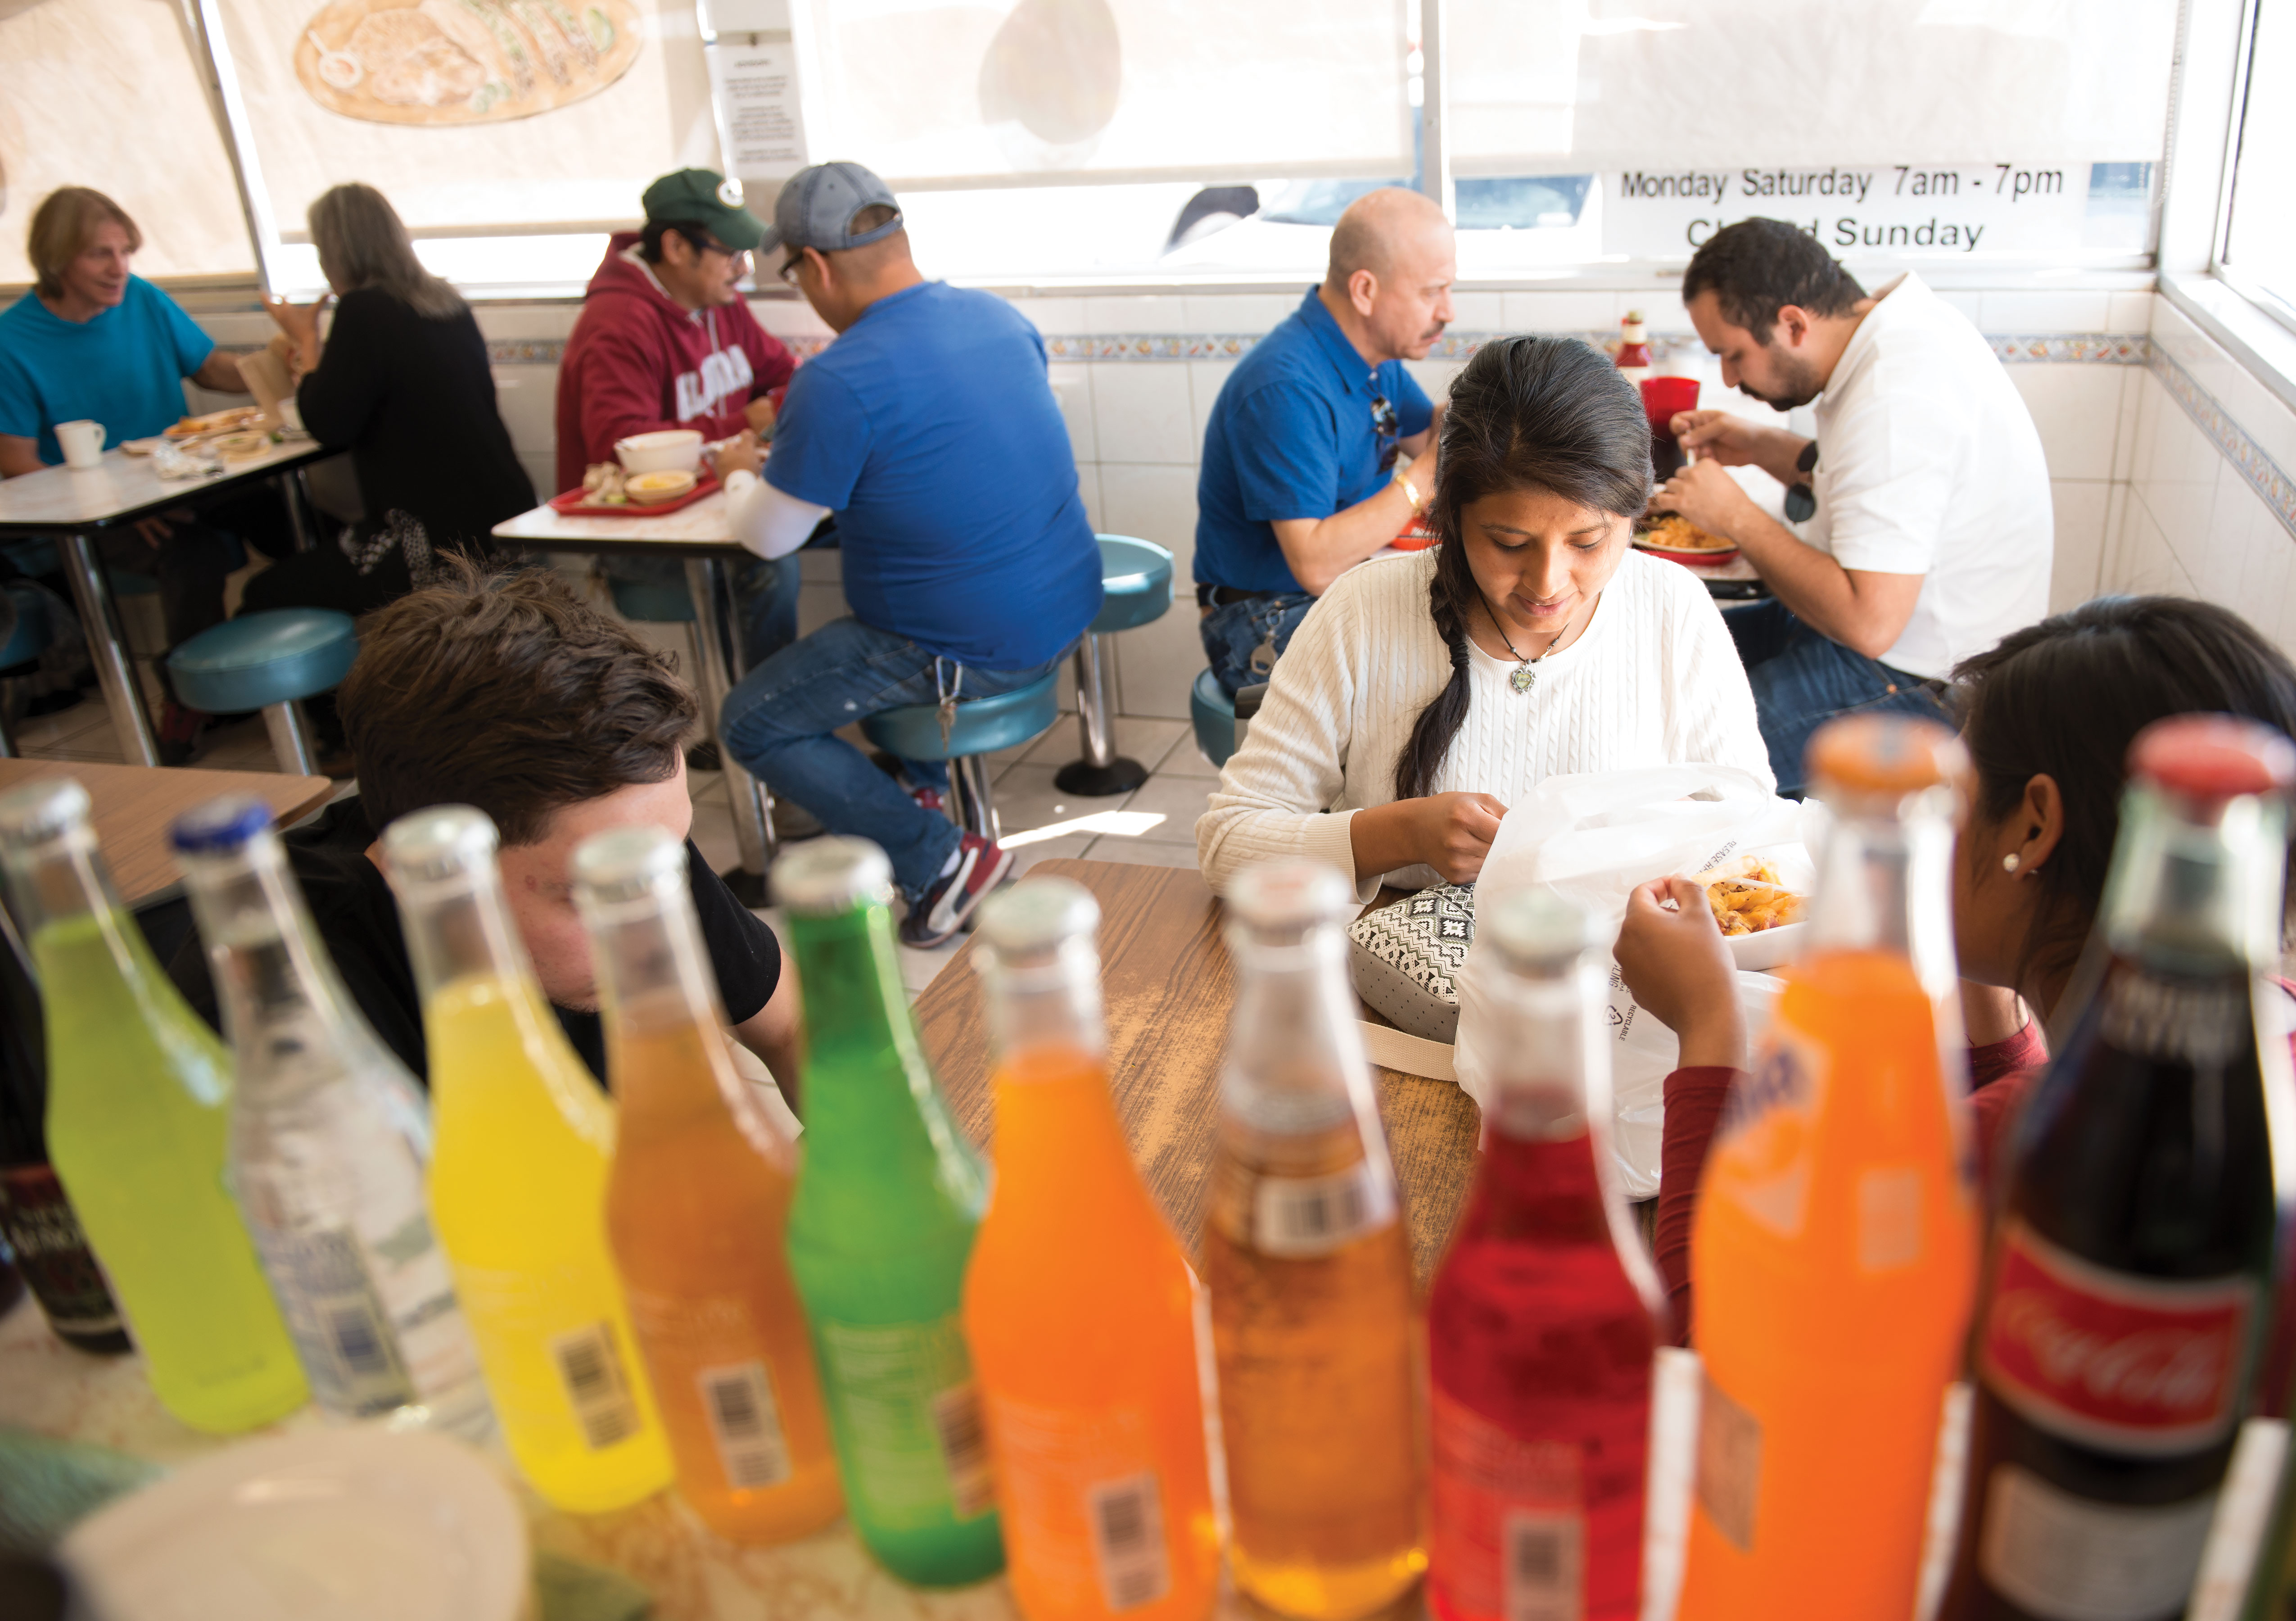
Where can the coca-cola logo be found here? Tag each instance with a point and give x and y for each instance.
(2131, 1364)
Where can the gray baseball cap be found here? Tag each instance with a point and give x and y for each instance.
(816, 207)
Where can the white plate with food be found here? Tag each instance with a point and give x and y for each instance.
(359, 1523)
(1760, 909)
(1676, 537)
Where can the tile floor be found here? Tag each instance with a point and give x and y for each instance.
(1154, 825)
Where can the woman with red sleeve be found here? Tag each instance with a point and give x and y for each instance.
(2048, 716)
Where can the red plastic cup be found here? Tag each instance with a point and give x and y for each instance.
(1663, 397)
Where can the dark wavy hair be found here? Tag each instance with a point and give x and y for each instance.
(2066, 697)
(1756, 267)
(1547, 413)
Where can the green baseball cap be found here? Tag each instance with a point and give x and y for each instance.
(705, 198)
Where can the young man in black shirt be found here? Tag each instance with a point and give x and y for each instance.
(510, 694)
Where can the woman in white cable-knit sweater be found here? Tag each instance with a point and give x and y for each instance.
(1425, 693)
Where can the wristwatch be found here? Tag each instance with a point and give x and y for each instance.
(1411, 489)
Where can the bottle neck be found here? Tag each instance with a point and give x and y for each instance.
(273, 982)
(2195, 887)
(863, 1064)
(1044, 1011)
(1552, 1083)
(1884, 884)
(62, 884)
(1295, 1061)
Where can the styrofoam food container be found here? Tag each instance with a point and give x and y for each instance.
(670, 451)
(358, 1524)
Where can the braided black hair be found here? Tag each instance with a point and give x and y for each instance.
(1549, 413)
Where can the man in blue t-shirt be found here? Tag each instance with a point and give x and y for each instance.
(1320, 447)
(91, 341)
(929, 427)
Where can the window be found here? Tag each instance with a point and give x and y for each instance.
(2258, 251)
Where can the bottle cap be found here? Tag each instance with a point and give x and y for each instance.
(825, 876)
(1289, 894)
(1535, 928)
(1036, 913)
(1633, 317)
(1885, 754)
(39, 810)
(220, 825)
(439, 841)
(624, 862)
(2213, 757)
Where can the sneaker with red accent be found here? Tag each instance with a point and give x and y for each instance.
(936, 917)
(930, 799)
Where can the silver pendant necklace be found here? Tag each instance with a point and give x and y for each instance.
(1522, 677)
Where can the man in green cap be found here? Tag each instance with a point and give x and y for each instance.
(665, 340)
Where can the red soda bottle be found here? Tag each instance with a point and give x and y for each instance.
(1543, 1317)
(2126, 1296)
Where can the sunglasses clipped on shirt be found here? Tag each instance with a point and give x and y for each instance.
(1385, 425)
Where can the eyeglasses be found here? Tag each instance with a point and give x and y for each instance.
(789, 271)
(703, 242)
(1384, 424)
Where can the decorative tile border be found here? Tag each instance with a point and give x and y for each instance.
(2265, 476)
(2114, 348)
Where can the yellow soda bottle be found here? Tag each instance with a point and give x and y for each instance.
(518, 1179)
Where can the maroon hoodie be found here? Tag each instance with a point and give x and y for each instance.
(639, 360)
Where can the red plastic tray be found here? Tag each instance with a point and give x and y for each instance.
(571, 504)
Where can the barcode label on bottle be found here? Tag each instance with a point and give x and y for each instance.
(1297, 1216)
(2066, 1558)
(592, 1370)
(339, 1328)
(1128, 1540)
(746, 1423)
(1545, 1562)
(964, 1450)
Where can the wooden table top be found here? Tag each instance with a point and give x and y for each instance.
(1169, 990)
(133, 805)
(122, 487)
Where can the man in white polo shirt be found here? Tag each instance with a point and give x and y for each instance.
(1922, 506)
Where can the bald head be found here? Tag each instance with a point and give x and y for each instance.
(1393, 260)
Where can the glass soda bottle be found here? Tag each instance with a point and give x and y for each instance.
(1835, 1249)
(329, 1138)
(139, 1098)
(1079, 1303)
(518, 1179)
(1544, 1315)
(886, 1204)
(697, 1209)
(1308, 1266)
(2127, 1293)
(35, 1219)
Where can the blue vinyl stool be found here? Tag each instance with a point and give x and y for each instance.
(267, 662)
(983, 726)
(27, 639)
(1212, 713)
(1136, 583)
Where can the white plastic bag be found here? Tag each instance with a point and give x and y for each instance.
(1591, 839)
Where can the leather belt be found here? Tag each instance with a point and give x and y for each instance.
(1219, 597)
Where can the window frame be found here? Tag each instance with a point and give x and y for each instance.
(2264, 301)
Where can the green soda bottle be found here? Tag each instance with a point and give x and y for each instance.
(879, 1232)
(139, 1105)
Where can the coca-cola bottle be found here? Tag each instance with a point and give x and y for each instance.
(2125, 1297)
(35, 1220)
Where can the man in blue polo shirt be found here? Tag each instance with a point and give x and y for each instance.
(929, 427)
(1321, 446)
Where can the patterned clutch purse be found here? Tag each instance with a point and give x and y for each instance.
(1406, 959)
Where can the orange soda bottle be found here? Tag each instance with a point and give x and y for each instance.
(1079, 1303)
(696, 1207)
(1834, 1247)
(1314, 1321)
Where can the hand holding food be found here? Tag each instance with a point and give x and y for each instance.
(1673, 960)
(1704, 495)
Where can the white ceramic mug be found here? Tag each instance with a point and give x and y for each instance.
(82, 442)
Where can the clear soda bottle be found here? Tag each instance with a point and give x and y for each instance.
(1078, 1305)
(697, 1209)
(1308, 1266)
(2127, 1292)
(887, 1202)
(1544, 1315)
(1835, 1249)
(518, 1179)
(329, 1140)
(139, 1100)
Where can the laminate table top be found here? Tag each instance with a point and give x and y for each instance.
(123, 488)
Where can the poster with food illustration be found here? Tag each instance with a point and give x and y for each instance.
(462, 62)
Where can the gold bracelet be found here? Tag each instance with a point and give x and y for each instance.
(1409, 488)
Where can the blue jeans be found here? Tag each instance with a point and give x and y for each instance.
(1232, 631)
(1803, 679)
(781, 723)
(765, 596)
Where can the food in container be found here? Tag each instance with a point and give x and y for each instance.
(648, 487)
(1748, 897)
(677, 450)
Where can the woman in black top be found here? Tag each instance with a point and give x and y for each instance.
(402, 382)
